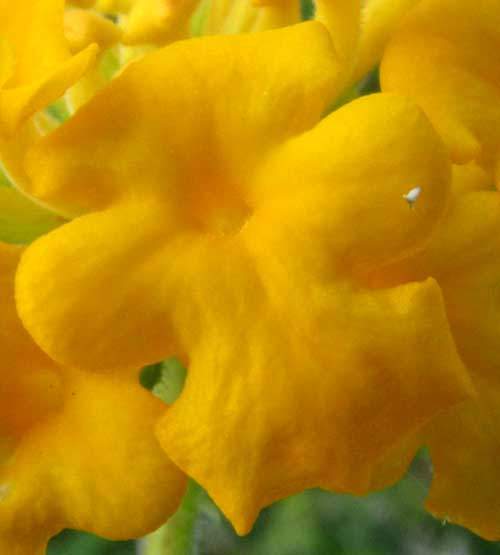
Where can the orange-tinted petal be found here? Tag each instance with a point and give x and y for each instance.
(207, 132)
(277, 401)
(338, 189)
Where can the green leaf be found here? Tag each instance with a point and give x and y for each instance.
(21, 220)
(165, 379)
(177, 536)
(307, 9)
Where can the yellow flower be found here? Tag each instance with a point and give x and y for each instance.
(77, 449)
(442, 56)
(225, 225)
(36, 66)
(464, 442)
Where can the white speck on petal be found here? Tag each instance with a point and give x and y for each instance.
(412, 196)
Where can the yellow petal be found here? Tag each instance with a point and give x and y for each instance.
(117, 256)
(6, 61)
(465, 448)
(81, 29)
(295, 402)
(357, 163)
(342, 19)
(18, 103)
(219, 137)
(68, 439)
(471, 295)
(157, 21)
(34, 31)
(438, 56)
(18, 349)
(379, 21)
(94, 465)
(82, 3)
(463, 257)
(113, 6)
(84, 27)
(47, 46)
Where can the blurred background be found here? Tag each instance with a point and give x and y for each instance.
(315, 522)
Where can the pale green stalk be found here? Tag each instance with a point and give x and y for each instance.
(176, 537)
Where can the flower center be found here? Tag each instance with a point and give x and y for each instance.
(218, 209)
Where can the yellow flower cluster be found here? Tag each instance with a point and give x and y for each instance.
(331, 282)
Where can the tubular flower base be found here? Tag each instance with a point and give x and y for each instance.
(67, 439)
(225, 224)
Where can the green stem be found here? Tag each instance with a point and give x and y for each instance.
(176, 537)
